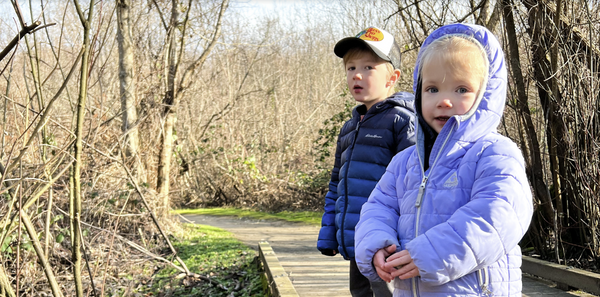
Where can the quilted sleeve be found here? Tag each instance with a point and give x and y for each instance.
(327, 238)
(376, 228)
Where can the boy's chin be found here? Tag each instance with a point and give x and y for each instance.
(368, 101)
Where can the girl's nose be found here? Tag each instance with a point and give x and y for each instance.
(357, 76)
(445, 103)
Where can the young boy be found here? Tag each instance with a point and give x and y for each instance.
(447, 216)
(381, 126)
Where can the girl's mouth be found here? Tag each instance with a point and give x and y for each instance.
(442, 119)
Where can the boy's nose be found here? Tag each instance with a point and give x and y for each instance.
(358, 76)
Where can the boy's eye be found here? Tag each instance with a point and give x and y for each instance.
(462, 90)
(431, 90)
(369, 67)
(351, 68)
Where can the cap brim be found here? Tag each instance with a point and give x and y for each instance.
(342, 47)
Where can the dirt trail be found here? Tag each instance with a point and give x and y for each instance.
(312, 273)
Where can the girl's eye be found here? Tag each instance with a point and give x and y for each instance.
(431, 90)
(351, 68)
(462, 90)
(369, 67)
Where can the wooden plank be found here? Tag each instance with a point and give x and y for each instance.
(573, 277)
(278, 282)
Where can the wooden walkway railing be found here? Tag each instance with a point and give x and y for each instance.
(564, 276)
(278, 283)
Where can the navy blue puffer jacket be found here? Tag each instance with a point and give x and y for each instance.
(364, 149)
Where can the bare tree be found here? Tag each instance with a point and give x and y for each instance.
(523, 111)
(128, 86)
(175, 90)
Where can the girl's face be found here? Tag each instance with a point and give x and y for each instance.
(447, 91)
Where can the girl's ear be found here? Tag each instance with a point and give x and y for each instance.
(393, 78)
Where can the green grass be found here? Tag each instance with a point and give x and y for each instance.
(214, 253)
(308, 217)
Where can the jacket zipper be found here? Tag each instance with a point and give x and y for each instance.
(484, 280)
(346, 188)
(421, 193)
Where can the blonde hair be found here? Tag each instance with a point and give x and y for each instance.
(359, 52)
(459, 53)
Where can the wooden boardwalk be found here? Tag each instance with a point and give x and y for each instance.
(311, 273)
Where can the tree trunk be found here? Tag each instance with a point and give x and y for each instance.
(128, 87)
(164, 161)
(75, 203)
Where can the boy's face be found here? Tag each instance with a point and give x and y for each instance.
(368, 80)
(446, 92)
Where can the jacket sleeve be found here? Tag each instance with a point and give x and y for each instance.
(487, 227)
(404, 127)
(327, 235)
(378, 222)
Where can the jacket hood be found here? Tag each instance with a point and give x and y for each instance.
(402, 99)
(484, 116)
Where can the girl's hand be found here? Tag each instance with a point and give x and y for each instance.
(401, 265)
(380, 265)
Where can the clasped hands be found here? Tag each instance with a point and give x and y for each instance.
(390, 264)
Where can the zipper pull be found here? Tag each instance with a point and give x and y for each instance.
(421, 192)
(485, 290)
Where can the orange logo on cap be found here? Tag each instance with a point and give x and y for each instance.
(371, 34)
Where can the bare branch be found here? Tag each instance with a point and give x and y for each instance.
(198, 63)
(162, 18)
(44, 115)
(26, 30)
(40, 254)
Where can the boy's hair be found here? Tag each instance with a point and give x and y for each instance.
(359, 52)
(457, 50)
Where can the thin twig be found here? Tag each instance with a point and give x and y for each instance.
(154, 219)
(87, 262)
(130, 243)
(112, 240)
(40, 253)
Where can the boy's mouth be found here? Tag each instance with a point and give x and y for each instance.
(357, 87)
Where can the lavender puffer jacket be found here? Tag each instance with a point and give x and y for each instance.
(462, 219)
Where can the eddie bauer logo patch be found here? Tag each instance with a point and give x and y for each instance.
(373, 136)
